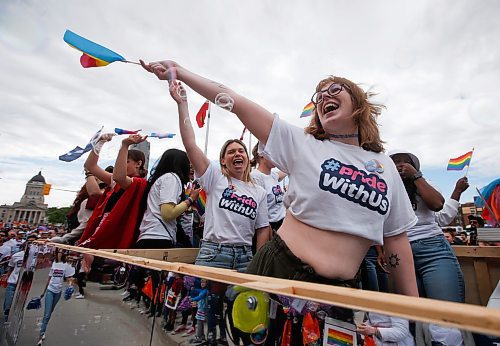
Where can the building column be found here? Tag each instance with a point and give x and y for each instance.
(38, 217)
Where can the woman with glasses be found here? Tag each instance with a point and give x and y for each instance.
(344, 194)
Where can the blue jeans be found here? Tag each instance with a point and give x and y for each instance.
(376, 278)
(437, 269)
(9, 296)
(221, 256)
(51, 300)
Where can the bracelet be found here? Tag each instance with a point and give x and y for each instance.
(88, 175)
(190, 201)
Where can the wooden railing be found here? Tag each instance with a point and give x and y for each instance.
(466, 316)
(481, 268)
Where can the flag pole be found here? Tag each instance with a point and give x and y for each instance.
(208, 127)
(487, 206)
(129, 62)
(467, 171)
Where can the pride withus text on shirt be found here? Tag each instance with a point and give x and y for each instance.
(355, 185)
(58, 273)
(278, 194)
(242, 205)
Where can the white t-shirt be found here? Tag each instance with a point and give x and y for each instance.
(16, 262)
(275, 194)
(166, 189)
(334, 186)
(58, 272)
(15, 245)
(4, 251)
(426, 225)
(446, 215)
(234, 209)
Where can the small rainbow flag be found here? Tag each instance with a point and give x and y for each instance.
(460, 162)
(338, 338)
(200, 202)
(125, 132)
(94, 55)
(308, 110)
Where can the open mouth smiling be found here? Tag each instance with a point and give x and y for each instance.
(330, 107)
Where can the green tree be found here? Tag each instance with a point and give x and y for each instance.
(57, 215)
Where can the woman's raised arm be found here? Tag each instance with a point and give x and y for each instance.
(196, 156)
(257, 119)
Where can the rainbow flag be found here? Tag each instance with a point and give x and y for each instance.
(94, 55)
(125, 132)
(200, 202)
(339, 338)
(460, 162)
(308, 110)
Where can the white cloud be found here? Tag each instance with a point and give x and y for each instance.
(434, 64)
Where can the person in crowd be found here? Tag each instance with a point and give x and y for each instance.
(439, 275)
(386, 330)
(474, 222)
(59, 272)
(235, 210)
(336, 170)
(449, 234)
(78, 215)
(5, 253)
(270, 182)
(450, 208)
(16, 241)
(464, 238)
(114, 220)
(12, 274)
(164, 201)
(199, 303)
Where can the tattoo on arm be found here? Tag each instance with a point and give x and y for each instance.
(393, 260)
(220, 85)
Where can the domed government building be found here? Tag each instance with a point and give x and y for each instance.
(31, 209)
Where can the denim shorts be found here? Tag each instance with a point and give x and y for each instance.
(275, 259)
(226, 256)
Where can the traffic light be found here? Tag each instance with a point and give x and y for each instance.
(46, 189)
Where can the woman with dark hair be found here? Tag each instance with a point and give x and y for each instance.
(438, 272)
(163, 201)
(114, 221)
(59, 272)
(344, 193)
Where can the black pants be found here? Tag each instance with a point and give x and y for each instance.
(275, 259)
(154, 244)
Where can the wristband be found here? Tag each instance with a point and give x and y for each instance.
(190, 201)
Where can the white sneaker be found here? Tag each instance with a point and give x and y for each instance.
(80, 296)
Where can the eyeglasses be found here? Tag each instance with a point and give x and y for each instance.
(333, 89)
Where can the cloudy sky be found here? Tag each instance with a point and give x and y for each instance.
(435, 65)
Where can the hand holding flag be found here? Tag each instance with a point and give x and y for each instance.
(74, 154)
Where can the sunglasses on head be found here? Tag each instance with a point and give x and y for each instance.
(332, 90)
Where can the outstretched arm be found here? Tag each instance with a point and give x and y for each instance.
(256, 118)
(196, 156)
(120, 170)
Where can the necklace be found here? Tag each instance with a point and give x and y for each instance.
(350, 135)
